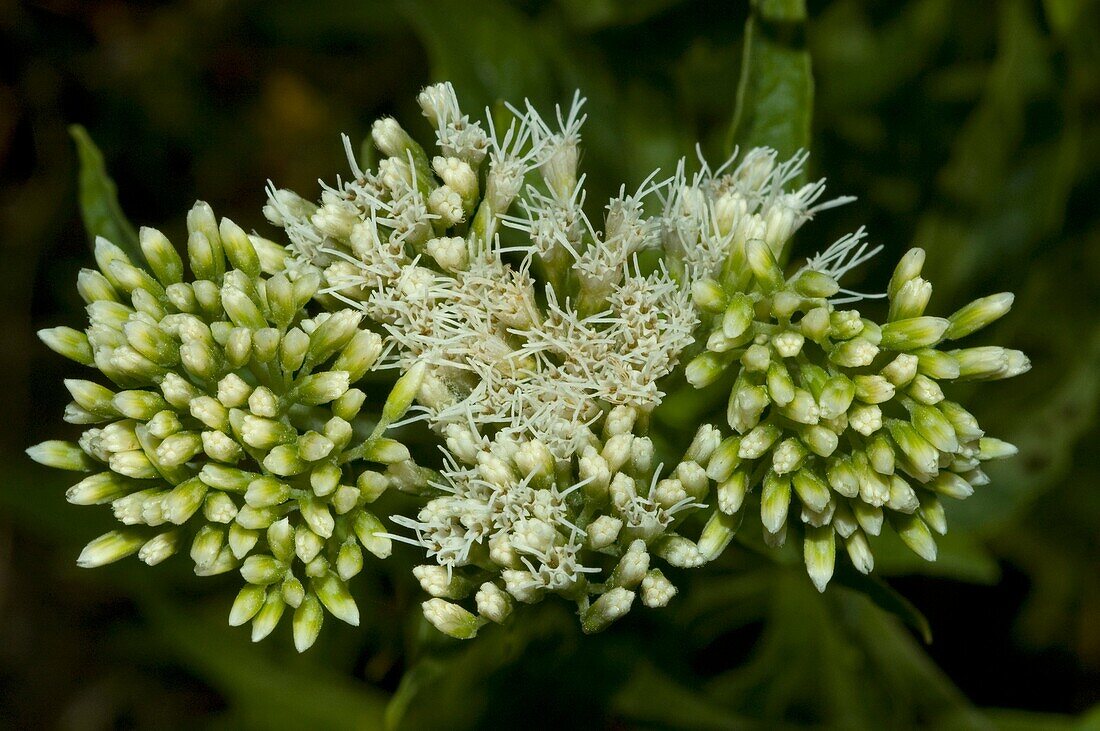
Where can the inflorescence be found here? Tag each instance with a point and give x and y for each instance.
(535, 345)
(232, 430)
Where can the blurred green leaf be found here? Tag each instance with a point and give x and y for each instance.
(99, 206)
(265, 693)
(488, 54)
(837, 660)
(453, 682)
(776, 90)
(652, 697)
(592, 14)
(885, 598)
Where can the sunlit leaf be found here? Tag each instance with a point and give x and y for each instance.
(99, 206)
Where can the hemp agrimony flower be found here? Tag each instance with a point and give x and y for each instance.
(231, 429)
(534, 343)
(840, 422)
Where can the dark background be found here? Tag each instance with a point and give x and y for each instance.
(970, 129)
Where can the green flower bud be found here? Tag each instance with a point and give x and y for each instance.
(371, 533)
(705, 369)
(915, 534)
(269, 615)
(990, 448)
(611, 606)
(780, 385)
(854, 353)
(248, 603)
(61, 455)
(979, 314)
(913, 333)
(708, 295)
(951, 485)
(745, 407)
(336, 598)
(873, 389)
(738, 316)
(717, 534)
(69, 343)
(774, 501)
(908, 268)
(811, 490)
(910, 300)
(819, 552)
(307, 622)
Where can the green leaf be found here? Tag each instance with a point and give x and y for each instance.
(488, 53)
(99, 198)
(654, 698)
(311, 695)
(776, 91)
(884, 597)
(453, 683)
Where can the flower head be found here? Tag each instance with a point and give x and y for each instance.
(230, 427)
(841, 422)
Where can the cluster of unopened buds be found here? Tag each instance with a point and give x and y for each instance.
(535, 347)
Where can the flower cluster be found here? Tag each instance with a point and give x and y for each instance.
(538, 331)
(842, 422)
(515, 523)
(232, 424)
(418, 246)
(534, 344)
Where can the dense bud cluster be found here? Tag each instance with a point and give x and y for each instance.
(842, 423)
(514, 523)
(534, 344)
(231, 429)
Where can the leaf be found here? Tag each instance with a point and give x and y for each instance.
(837, 660)
(776, 91)
(454, 684)
(652, 697)
(489, 53)
(884, 597)
(99, 206)
(598, 14)
(308, 695)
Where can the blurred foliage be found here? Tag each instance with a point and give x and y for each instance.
(971, 129)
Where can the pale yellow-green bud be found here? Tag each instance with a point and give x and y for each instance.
(308, 618)
(774, 501)
(611, 606)
(717, 534)
(708, 295)
(269, 615)
(451, 619)
(334, 594)
(907, 269)
(979, 314)
(819, 553)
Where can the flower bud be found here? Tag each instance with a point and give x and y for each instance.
(451, 619)
(611, 606)
(910, 300)
(269, 615)
(774, 501)
(656, 590)
(908, 268)
(308, 618)
(493, 603)
(67, 342)
(915, 534)
(819, 553)
(108, 548)
(717, 534)
(978, 314)
(708, 295)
